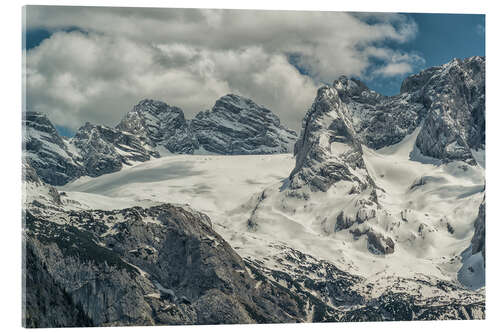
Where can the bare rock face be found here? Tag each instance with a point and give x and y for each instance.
(47, 152)
(102, 149)
(158, 124)
(136, 266)
(238, 126)
(448, 101)
(454, 95)
(378, 120)
(328, 149)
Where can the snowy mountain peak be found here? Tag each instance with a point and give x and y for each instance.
(237, 125)
(447, 99)
(46, 151)
(328, 150)
(350, 87)
(156, 123)
(235, 103)
(102, 149)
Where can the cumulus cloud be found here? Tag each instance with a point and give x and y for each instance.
(190, 57)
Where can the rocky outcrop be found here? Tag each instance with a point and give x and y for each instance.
(328, 149)
(378, 120)
(236, 125)
(448, 100)
(162, 265)
(47, 152)
(102, 149)
(158, 124)
(93, 151)
(45, 303)
(454, 95)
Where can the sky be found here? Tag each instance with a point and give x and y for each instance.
(93, 64)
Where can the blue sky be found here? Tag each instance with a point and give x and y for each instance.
(83, 70)
(440, 38)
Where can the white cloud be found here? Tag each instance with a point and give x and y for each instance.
(190, 58)
(99, 78)
(393, 69)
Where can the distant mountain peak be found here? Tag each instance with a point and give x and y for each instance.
(238, 125)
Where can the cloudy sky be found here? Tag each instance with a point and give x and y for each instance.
(93, 64)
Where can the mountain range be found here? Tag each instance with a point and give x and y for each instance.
(235, 125)
(379, 214)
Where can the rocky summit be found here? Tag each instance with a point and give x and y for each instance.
(93, 151)
(447, 101)
(158, 124)
(103, 149)
(237, 125)
(47, 152)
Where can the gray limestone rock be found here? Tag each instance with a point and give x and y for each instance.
(158, 124)
(47, 152)
(238, 126)
(328, 149)
(454, 94)
(137, 266)
(102, 149)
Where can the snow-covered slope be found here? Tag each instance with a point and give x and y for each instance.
(209, 183)
(428, 210)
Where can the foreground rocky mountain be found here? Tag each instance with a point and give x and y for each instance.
(235, 125)
(136, 266)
